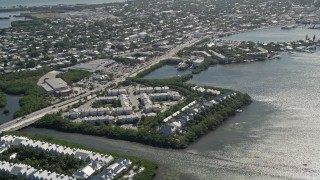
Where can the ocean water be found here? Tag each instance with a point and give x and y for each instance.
(6, 23)
(276, 34)
(11, 3)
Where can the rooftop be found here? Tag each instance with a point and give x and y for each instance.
(56, 83)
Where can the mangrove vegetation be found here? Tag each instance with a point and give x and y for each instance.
(24, 83)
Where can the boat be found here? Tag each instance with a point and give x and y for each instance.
(239, 110)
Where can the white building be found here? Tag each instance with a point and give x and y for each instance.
(115, 169)
(95, 112)
(108, 99)
(124, 100)
(82, 154)
(116, 92)
(213, 92)
(128, 118)
(57, 149)
(101, 159)
(198, 62)
(152, 108)
(3, 147)
(148, 90)
(99, 119)
(174, 95)
(163, 96)
(122, 111)
(25, 171)
(140, 90)
(161, 89)
(84, 172)
(145, 99)
(73, 113)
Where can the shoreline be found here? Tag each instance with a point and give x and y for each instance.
(257, 29)
(100, 4)
(25, 7)
(215, 116)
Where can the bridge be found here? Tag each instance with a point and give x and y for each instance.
(25, 121)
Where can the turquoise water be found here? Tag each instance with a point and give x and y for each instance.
(11, 3)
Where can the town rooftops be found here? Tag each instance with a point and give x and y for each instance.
(18, 140)
(57, 149)
(82, 154)
(84, 172)
(93, 66)
(29, 172)
(114, 169)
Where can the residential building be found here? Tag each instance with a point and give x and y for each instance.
(84, 172)
(197, 62)
(152, 108)
(116, 92)
(73, 113)
(99, 119)
(128, 118)
(122, 111)
(25, 171)
(115, 169)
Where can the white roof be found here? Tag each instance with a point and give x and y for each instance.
(88, 170)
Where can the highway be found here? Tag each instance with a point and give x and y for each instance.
(29, 119)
